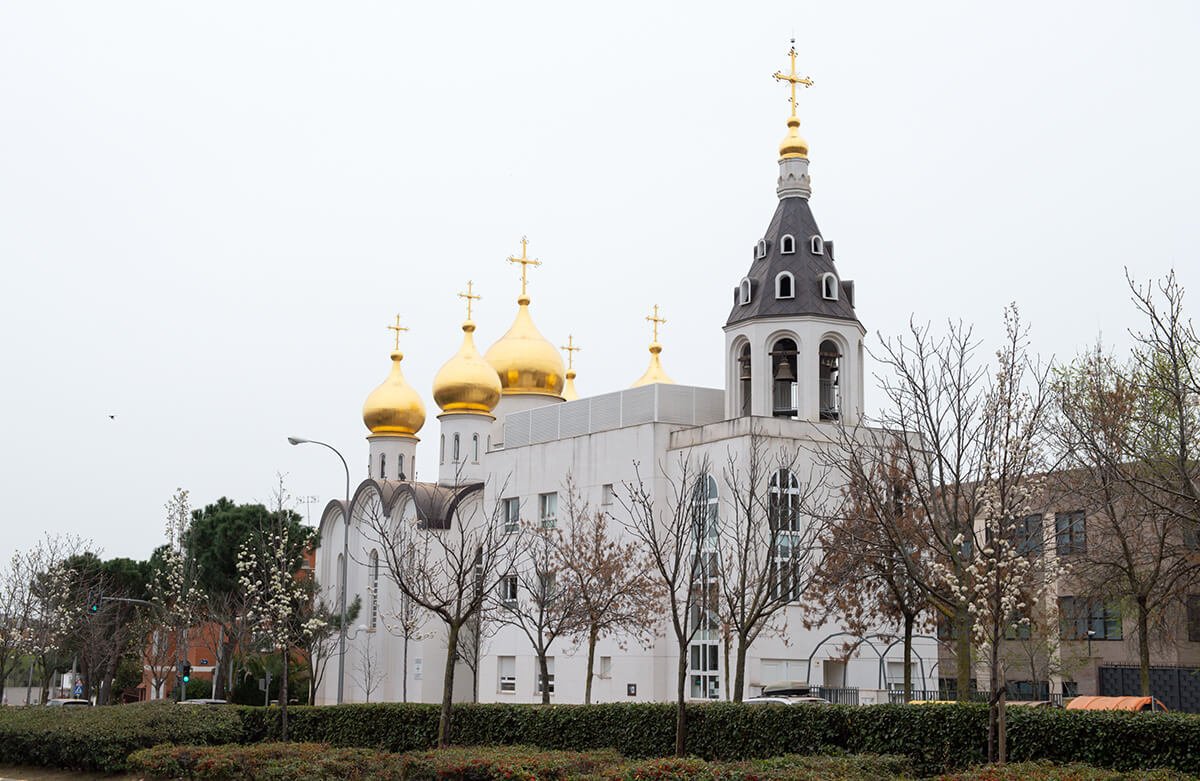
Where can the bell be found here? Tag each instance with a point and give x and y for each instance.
(745, 372)
(783, 371)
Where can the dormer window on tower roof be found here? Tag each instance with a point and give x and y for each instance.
(817, 245)
(787, 244)
(785, 285)
(829, 286)
(760, 249)
(744, 291)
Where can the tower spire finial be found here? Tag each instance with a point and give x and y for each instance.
(470, 296)
(657, 321)
(525, 262)
(570, 349)
(397, 328)
(791, 78)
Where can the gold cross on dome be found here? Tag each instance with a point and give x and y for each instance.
(791, 77)
(654, 318)
(397, 328)
(571, 350)
(525, 262)
(470, 296)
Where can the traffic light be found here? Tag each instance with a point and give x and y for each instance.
(186, 670)
(94, 603)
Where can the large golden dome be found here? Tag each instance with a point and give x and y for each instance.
(394, 409)
(466, 382)
(524, 361)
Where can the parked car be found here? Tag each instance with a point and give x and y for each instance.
(787, 693)
(787, 700)
(63, 702)
(204, 701)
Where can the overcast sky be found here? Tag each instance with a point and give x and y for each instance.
(210, 212)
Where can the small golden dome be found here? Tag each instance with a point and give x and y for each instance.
(394, 409)
(655, 372)
(569, 393)
(524, 361)
(466, 383)
(793, 144)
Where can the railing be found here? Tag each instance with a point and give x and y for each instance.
(838, 696)
(896, 696)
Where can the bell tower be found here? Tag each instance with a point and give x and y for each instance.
(793, 342)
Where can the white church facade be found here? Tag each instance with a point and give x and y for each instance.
(512, 431)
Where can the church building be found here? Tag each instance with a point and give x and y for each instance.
(512, 431)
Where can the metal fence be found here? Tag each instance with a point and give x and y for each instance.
(1176, 687)
(838, 696)
(896, 696)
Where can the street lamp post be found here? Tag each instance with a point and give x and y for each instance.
(345, 555)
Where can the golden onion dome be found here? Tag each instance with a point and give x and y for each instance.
(524, 361)
(466, 383)
(793, 144)
(569, 393)
(394, 409)
(654, 372)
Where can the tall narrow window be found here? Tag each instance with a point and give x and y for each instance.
(830, 360)
(506, 666)
(383, 466)
(457, 456)
(442, 451)
(787, 245)
(400, 471)
(475, 448)
(783, 377)
(785, 285)
(744, 378)
(512, 514)
(744, 292)
(1070, 533)
(548, 510)
(374, 575)
(783, 516)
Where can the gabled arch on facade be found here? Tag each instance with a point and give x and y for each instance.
(435, 505)
(744, 291)
(787, 244)
(785, 285)
(829, 286)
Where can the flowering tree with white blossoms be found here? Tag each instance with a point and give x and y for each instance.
(275, 592)
(175, 596)
(50, 612)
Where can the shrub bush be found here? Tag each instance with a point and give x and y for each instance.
(1046, 771)
(100, 739)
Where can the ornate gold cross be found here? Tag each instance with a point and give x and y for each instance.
(571, 350)
(470, 296)
(397, 328)
(791, 77)
(654, 318)
(525, 262)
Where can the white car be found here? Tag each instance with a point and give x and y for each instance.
(783, 699)
(62, 702)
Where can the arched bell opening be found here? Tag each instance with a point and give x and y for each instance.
(829, 371)
(745, 377)
(784, 396)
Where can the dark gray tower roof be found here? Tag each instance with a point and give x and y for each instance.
(794, 218)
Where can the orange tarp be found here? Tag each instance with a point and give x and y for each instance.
(1115, 703)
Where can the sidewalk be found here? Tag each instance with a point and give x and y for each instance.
(12, 773)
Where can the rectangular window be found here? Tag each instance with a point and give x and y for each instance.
(546, 582)
(1193, 618)
(507, 667)
(1070, 688)
(605, 667)
(1070, 533)
(785, 571)
(549, 675)
(508, 589)
(548, 510)
(1081, 619)
(1027, 535)
(705, 678)
(512, 514)
(606, 494)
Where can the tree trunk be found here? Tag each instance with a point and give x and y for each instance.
(909, 619)
(593, 634)
(224, 655)
(680, 709)
(1143, 630)
(544, 671)
(1002, 724)
(739, 675)
(962, 653)
(448, 687)
(404, 682)
(283, 696)
(725, 642)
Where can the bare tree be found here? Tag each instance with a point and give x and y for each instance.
(447, 567)
(319, 642)
(370, 673)
(612, 580)
(670, 534)
(14, 611)
(474, 643)
(762, 552)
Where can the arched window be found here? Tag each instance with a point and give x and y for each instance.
(457, 453)
(475, 448)
(787, 245)
(783, 501)
(760, 249)
(817, 245)
(401, 470)
(829, 286)
(340, 575)
(744, 378)
(744, 292)
(829, 372)
(373, 567)
(383, 466)
(785, 285)
(442, 451)
(783, 514)
(785, 403)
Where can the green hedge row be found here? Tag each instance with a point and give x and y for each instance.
(316, 762)
(935, 738)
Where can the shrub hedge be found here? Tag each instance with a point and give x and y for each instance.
(1047, 771)
(311, 761)
(935, 738)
